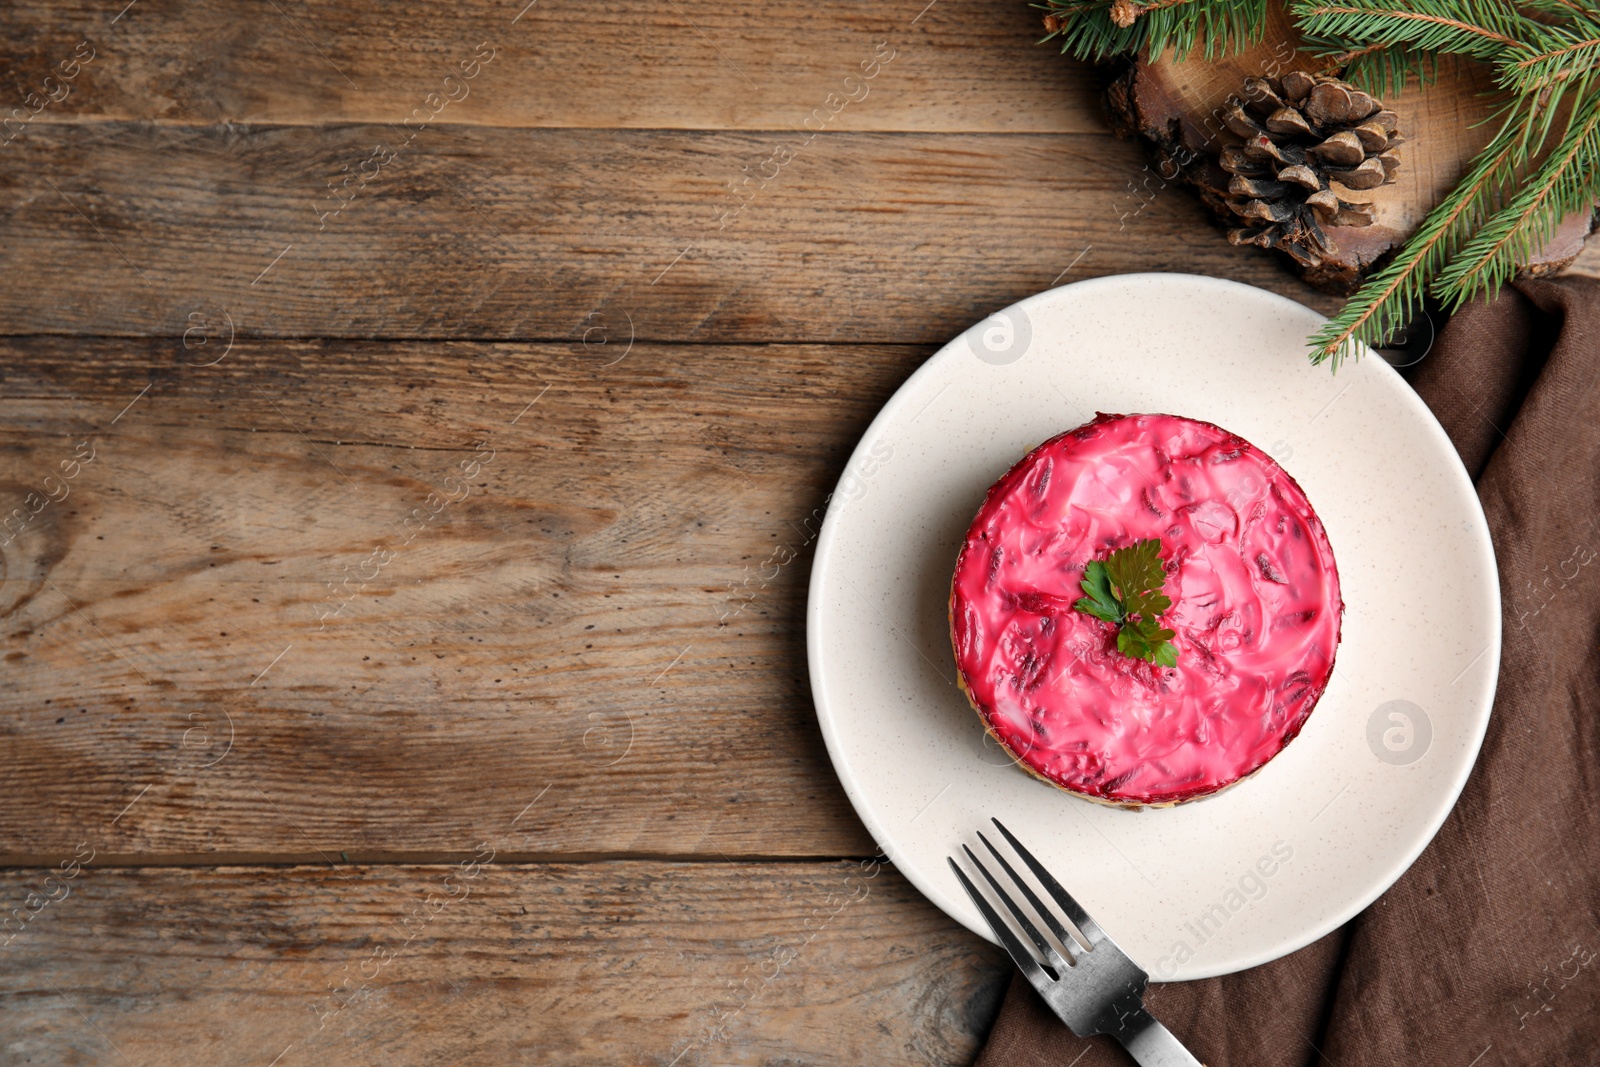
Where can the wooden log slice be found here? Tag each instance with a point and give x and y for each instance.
(1176, 106)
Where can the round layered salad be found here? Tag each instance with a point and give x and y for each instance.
(1145, 610)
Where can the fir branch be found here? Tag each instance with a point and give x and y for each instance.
(1391, 298)
(1084, 30)
(1574, 60)
(1098, 30)
(1223, 28)
(1567, 181)
(1483, 29)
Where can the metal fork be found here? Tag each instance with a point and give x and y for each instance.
(1094, 987)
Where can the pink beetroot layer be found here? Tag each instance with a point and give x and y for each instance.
(1255, 604)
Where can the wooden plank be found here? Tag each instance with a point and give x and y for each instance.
(631, 962)
(130, 229)
(957, 65)
(238, 610)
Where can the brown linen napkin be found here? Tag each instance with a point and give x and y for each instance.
(1487, 952)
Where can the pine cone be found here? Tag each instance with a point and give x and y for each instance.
(1300, 133)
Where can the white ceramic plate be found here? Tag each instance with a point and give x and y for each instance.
(1234, 880)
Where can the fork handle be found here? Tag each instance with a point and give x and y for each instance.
(1153, 1044)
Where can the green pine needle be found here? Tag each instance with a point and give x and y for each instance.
(1568, 180)
(1482, 29)
(1223, 27)
(1567, 58)
(1380, 69)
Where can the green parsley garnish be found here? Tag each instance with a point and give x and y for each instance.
(1125, 590)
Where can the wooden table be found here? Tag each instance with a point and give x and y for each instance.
(416, 422)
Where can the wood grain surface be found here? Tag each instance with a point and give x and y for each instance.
(960, 65)
(469, 231)
(403, 414)
(589, 611)
(490, 963)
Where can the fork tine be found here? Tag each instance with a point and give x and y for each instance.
(1080, 918)
(1049, 917)
(1020, 956)
(1051, 955)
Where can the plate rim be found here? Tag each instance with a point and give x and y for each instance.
(1446, 798)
